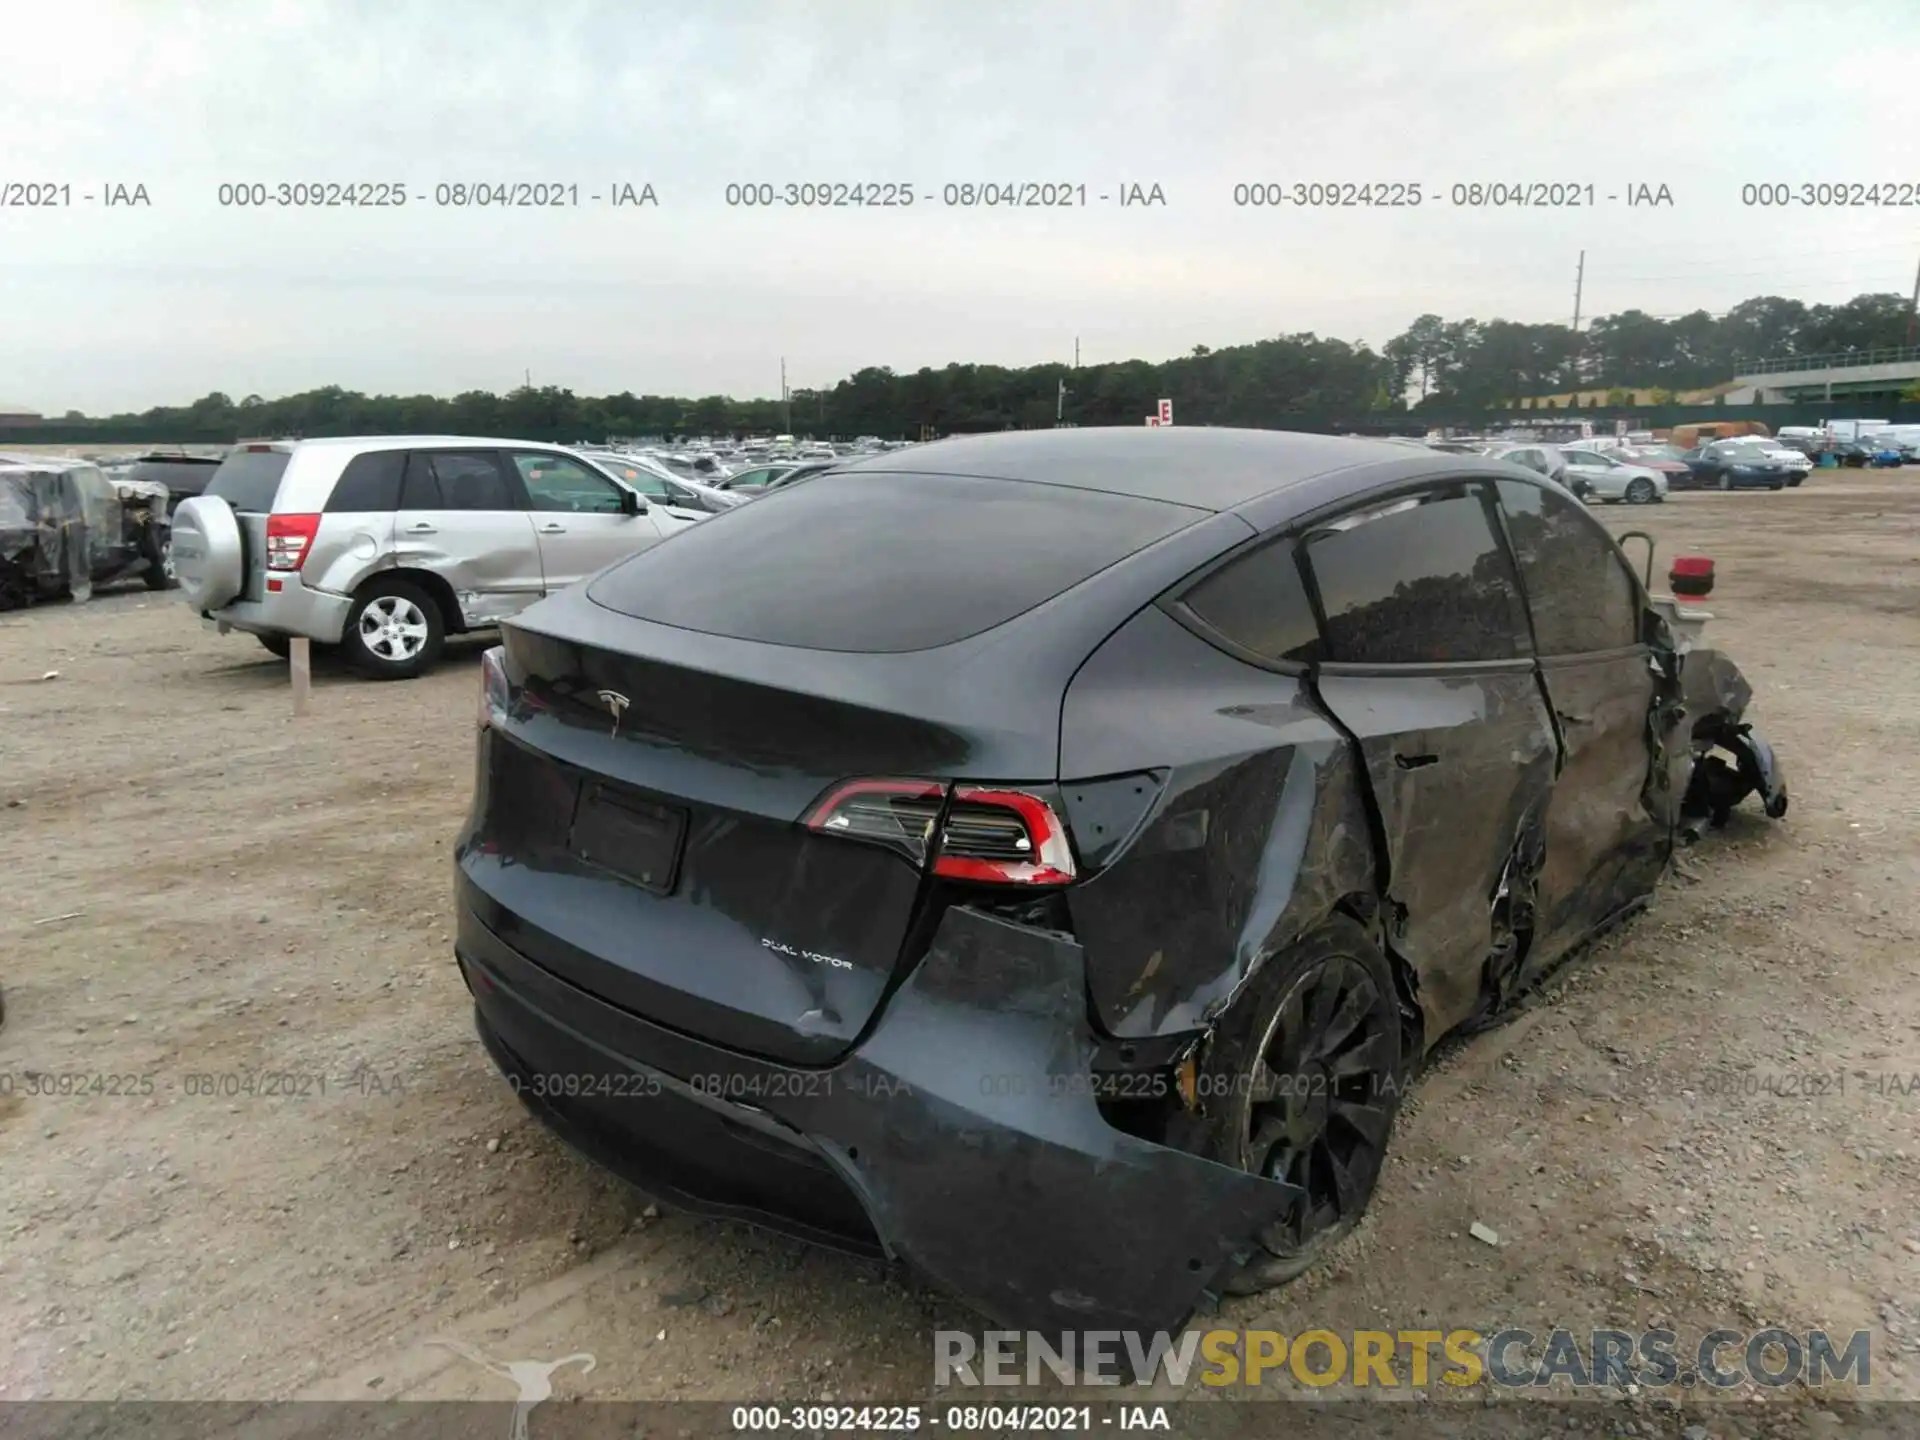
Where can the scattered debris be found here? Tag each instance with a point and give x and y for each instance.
(56, 919)
(1483, 1234)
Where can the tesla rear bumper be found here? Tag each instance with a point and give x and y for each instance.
(961, 1137)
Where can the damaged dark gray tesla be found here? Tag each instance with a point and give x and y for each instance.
(1044, 858)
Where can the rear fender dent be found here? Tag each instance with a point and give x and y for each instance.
(993, 1128)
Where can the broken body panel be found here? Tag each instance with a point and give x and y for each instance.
(65, 527)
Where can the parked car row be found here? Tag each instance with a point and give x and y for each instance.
(1613, 471)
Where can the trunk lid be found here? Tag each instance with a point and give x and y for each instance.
(668, 728)
(639, 830)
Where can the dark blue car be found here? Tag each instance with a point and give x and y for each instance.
(1726, 466)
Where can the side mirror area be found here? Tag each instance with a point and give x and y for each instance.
(631, 503)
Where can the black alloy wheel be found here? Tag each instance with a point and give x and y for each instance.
(1312, 1082)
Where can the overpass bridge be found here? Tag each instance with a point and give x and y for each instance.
(1848, 374)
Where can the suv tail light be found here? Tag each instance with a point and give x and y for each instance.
(289, 537)
(981, 833)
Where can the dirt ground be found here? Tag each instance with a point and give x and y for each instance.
(202, 893)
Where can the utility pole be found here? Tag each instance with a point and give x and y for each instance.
(1913, 307)
(786, 400)
(1076, 352)
(1579, 284)
(1060, 403)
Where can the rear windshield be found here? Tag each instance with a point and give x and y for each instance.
(249, 479)
(881, 563)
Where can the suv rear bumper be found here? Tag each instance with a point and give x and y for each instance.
(293, 609)
(962, 1136)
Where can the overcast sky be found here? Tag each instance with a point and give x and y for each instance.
(124, 308)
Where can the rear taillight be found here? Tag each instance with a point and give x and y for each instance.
(289, 537)
(494, 690)
(985, 835)
(1003, 837)
(899, 814)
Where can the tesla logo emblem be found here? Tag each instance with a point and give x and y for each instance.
(617, 703)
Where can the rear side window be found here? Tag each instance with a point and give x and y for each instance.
(418, 488)
(882, 563)
(1260, 603)
(1582, 596)
(1421, 581)
(249, 479)
(456, 480)
(370, 483)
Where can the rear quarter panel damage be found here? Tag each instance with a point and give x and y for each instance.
(1257, 830)
(1089, 1225)
(1606, 829)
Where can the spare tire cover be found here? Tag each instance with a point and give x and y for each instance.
(208, 556)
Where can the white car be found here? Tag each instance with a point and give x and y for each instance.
(679, 499)
(1595, 474)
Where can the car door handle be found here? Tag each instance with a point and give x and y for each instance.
(553, 529)
(421, 529)
(1414, 762)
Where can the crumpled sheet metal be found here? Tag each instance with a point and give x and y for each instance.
(43, 528)
(60, 525)
(1716, 695)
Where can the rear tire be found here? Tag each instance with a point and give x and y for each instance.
(281, 645)
(159, 572)
(1726, 481)
(1640, 491)
(394, 631)
(1778, 485)
(1309, 1073)
(17, 590)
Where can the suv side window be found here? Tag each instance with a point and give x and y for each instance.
(1582, 596)
(1423, 580)
(456, 480)
(418, 488)
(650, 485)
(1259, 602)
(370, 483)
(556, 483)
(465, 479)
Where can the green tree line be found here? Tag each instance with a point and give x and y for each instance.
(1436, 366)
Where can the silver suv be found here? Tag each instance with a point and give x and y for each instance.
(386, 546)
